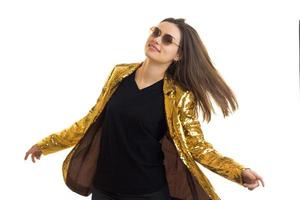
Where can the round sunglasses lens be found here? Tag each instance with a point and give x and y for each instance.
(167, 39)
(155, 32)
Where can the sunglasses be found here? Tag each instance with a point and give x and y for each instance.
(166, 39)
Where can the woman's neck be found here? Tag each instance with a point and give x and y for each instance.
(151, 71)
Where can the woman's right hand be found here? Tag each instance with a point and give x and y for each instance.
(35, 152)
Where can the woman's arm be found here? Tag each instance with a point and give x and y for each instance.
(71, 135)
(202, 151)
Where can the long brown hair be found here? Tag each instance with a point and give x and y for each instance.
(196, 73)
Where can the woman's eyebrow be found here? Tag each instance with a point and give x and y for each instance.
(167, 33)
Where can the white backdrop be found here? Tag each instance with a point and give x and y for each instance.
(55, 56)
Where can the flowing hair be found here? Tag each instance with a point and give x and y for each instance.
(196, 73)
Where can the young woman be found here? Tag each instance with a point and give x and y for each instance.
(142, 138)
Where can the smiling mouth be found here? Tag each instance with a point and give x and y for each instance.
(153, 47)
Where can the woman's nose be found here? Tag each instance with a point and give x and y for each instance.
(157, 40)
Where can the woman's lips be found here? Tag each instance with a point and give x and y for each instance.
(154, 47)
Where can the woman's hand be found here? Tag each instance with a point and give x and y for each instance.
(251, 179)
(35, 152)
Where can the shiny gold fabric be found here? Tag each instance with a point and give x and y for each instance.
(184, 144)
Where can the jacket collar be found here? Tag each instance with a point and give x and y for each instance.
(127, 69)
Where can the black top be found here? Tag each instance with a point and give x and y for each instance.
(130, 155)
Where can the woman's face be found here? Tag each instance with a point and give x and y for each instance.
(159, 52)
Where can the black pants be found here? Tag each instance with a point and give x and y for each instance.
(162, 194)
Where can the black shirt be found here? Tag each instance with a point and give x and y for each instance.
(131, 159)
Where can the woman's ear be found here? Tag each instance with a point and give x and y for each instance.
(178, 56)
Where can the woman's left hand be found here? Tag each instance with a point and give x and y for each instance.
(251, 179)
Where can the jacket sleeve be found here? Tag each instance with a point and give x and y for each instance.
(68, 137)
(202, 151)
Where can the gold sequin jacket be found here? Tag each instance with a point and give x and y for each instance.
(183, 144)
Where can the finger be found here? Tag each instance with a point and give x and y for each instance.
(255, 185)
(257, 175)
(32, 158)
(259, 178)
(26, 155)
(252, 185)
(36, 155)
(246, 185)
(262, 182)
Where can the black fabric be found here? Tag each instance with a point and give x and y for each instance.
(131, 158)
(162, 194)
